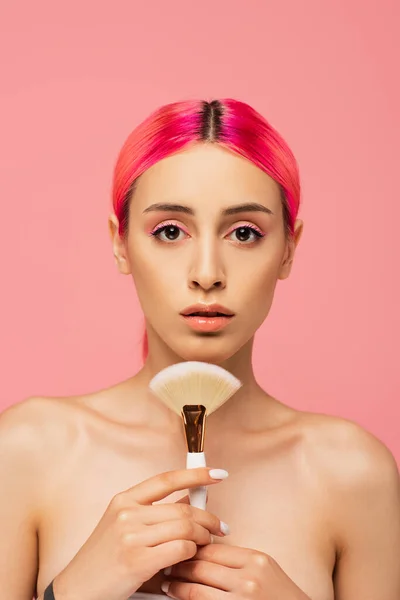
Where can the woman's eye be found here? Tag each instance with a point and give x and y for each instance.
(246, 234)
(168, 233)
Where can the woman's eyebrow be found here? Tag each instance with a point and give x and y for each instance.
(231, 210)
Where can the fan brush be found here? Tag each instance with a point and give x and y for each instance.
(206, 387)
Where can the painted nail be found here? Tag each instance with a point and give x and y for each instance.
(225, 528)
(165, 586)
(218, 474)
(167, 571)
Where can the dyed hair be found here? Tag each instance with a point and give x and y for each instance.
(233, 125)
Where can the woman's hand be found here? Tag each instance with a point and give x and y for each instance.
(221, 572)
(135, 539)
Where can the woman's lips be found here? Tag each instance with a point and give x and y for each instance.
(207, 323)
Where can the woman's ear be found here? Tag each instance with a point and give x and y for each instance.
(119, 247)
(291, 246)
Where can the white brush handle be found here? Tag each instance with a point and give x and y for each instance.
(197, 496)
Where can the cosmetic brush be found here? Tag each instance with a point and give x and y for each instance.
(206, 387)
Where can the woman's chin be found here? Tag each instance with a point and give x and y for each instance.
(205, 353)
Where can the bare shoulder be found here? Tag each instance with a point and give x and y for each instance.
(32, 434)
(357, 478)
(25, 457)
(355, 474)
(348, 453)
(35, 427)
(35, 414)
(21, 423)
(43, 424)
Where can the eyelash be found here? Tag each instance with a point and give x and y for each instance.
(257, 232)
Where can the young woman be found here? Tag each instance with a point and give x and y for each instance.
(206, 196)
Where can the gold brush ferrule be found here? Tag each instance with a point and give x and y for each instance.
(194, 420)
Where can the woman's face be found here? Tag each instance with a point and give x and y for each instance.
(192, 240)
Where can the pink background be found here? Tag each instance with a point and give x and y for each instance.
(79, 76)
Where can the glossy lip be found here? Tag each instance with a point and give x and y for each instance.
(207, 308)
(207, 324)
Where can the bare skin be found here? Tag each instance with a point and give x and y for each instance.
(316, 493)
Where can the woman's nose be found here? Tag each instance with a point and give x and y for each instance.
(207, 271)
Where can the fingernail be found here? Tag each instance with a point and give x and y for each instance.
(218, 474)
(167, 571)
(165, 586)
(225, 528)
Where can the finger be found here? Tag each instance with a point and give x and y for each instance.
(160, 533)
(224, 555)
(187, 591)
(151, 515)
(206, 573)
(158, 487)
(163, 555)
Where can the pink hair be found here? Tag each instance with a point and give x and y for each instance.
(232, 124)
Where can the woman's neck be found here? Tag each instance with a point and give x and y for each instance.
(242, 410)
(161, 356)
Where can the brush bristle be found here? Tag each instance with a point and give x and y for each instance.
(194, 382)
